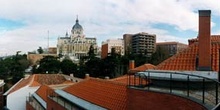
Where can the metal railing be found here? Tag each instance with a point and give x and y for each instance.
(197, 88)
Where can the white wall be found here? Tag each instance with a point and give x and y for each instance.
(17, 100)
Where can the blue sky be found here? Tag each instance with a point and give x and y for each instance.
(24, 24)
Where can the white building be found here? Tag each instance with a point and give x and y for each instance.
(18, 94)
(75, 45)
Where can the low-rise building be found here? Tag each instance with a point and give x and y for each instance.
(110, 44)
(35, 58)
(17, 95)
(171, 48)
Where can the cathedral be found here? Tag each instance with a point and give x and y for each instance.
(75, 45)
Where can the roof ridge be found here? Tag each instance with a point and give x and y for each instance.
(108, 81)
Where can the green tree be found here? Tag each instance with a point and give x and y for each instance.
(20, 63)
(49, 64)
(91, 52)
(40, 50)
(13, 67)
(67, 67)
(93, 67)
(110, 64)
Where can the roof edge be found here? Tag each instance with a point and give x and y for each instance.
(8, 91)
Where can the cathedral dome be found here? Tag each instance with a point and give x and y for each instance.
(77, 26)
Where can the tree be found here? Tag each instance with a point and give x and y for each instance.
(49, 64)
(67, 67)
(40, 50)
(13, 67)
(91, 53)
(93, 66)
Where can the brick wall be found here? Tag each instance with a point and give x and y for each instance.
(204, 40)
(104, 50)
(146, 100)
(52, 105)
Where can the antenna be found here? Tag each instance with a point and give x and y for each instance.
(48, 34)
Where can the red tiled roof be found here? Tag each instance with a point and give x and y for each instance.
(108, 94)
(38, 80)
(48, 79)
(22, 83)
(122, 79)
(142, 68)
(128, 80)
(43, 92)
(186, 60)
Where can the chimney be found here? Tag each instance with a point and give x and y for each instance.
(131, 64)
(86, 76)
(71, 75)
(106, 77)
(204, 41)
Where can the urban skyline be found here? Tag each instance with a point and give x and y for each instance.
(25, 24)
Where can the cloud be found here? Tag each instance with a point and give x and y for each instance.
(103, 19)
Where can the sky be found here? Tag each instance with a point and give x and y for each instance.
(25, 25)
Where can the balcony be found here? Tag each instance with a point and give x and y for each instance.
(198, 87)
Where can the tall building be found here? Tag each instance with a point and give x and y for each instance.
(127, 43)
(140, 43)
(171, 48)
(75, 45)
(117, 44)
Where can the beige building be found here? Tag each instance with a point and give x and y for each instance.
(75, 45)
(117, 44)
(35, 58)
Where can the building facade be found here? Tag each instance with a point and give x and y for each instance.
(117, 44)
(34, 59)
(127, 43)
(2, 83)
(171, 48)
(140, 43)
(75, 45)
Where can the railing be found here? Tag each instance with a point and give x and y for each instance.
(198, 88)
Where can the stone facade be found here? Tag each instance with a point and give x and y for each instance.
(75, 45)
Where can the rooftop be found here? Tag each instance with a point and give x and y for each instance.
(186, 59)
(108, 94)
(37, 80)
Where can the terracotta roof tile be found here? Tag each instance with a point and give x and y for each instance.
(48, 79)
(38, 80)
(108, 94)
(122, 79)
(142, 68)
(22, 83)
(129, 80)
(186, 60)
(43, 92)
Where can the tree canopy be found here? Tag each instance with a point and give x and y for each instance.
(40, 50)
(49, 64)
(13, 67)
